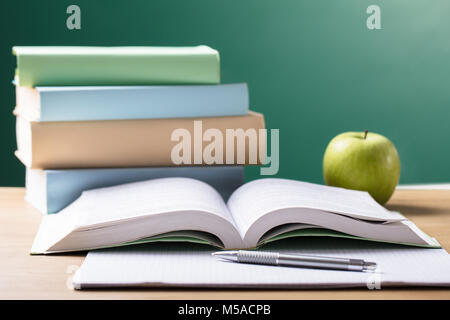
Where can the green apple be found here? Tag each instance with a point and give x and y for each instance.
(362, 161)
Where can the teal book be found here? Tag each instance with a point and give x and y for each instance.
(83, 103)
(52, 190)
(91, 66)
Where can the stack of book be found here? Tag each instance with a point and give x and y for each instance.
(92, 117)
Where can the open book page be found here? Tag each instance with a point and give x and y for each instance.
(257, 198)
(137, 211)
(294, 230)
(158, 196)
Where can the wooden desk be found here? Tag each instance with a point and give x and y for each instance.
(45, 277)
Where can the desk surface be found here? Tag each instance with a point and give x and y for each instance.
(46, 277)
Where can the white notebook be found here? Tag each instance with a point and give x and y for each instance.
(190, 265)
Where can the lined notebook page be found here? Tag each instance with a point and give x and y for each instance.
(175, 265)
(254, 199)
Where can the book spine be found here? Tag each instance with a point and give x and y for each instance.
(104, 69)
(146, 102)
(138, 143)
(65, 186)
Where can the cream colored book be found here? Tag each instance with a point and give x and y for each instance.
(132, 143)
(184, 209)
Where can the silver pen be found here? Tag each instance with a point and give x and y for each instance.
(278, 259)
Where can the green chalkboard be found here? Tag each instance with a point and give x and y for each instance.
(313, 67)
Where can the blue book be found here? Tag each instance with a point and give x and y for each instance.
(52, 190)
(131, 102)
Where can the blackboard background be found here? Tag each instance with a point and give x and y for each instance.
(312, 66)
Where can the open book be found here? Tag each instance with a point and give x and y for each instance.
(184, 209)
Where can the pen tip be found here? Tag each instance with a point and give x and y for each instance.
(370, 266)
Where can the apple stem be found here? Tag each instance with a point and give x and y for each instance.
(365, 134)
